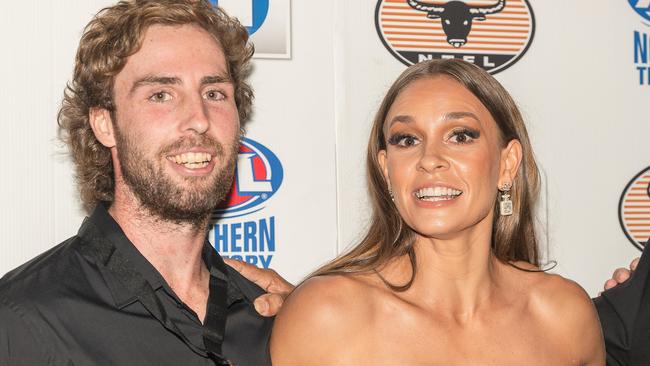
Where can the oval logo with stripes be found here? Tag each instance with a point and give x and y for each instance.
(493, 34)
(634, 209)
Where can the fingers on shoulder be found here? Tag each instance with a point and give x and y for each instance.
(315, 318)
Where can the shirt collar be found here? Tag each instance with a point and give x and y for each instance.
(128, 274)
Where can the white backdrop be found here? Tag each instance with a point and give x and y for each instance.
(577, 86)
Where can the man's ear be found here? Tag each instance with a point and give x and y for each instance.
(383, 164)
(511, 157)
(102, 125)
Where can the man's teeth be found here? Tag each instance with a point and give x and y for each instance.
(437, 193)
(192, 160)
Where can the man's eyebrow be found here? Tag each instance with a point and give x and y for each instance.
(154, 79)
(174, 80)
(215, 79)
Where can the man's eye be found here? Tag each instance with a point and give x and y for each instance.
(214, 95)
(160, 97)
(403, 140)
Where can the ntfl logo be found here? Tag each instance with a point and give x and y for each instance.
(258, 177)
(642, 7)
(634, 209)
(492, 34)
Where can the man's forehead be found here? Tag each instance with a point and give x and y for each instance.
(166, 31)
(176, 51)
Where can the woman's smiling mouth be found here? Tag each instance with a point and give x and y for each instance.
(438, 193)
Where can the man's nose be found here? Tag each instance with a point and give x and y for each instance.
(196, 115)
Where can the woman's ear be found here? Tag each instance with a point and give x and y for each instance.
(383, 164)
(511, 157)
(102, 125)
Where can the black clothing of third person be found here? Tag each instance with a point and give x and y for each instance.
(624, 313)
(95, 300)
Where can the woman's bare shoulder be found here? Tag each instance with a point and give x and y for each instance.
(320, 293)
(320, 319)
(550, 292)
(564, 308)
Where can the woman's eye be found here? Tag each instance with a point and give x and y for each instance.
(160, 97)
(463, 136)
(214, 95)
(403, 140)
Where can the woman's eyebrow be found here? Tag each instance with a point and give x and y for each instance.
(401, 118)
(459, 115)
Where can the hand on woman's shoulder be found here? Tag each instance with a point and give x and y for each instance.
(319, 320)
(568, 315)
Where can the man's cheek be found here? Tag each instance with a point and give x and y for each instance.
(225, 118)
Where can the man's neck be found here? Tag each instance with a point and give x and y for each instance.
(174, 249)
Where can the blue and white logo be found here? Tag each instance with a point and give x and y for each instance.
(235, 233)
(258, 177)
(642, 42)
(251, 13)
(642, 7)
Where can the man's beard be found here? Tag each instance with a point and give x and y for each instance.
(190, 203)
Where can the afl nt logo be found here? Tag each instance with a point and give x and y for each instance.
(634, 209)
(492, 34)
(257, 177)
(642, 7)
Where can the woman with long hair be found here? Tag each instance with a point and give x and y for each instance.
(447, 273)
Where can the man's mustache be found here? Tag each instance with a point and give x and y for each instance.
(187, 143)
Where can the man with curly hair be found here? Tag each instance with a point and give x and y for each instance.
(152, 118)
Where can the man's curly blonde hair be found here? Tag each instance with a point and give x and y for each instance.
(113, 35)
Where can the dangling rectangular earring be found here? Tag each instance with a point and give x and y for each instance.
(505, 204)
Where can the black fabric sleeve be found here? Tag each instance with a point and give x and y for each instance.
(620, 309)
(19, 341)
(617, 336)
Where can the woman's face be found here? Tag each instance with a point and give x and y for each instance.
(444, 158)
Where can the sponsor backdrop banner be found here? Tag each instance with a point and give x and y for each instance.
(268, 22)
(414, 31)
(237, 231)
(579, 71)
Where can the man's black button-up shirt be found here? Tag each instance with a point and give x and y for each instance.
(95, 300)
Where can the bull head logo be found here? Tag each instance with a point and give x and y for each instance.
(456, 17)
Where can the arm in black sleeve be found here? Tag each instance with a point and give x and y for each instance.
(615, 331)
(620, 310)
(19, 341)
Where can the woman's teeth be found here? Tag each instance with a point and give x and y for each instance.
(437, 193)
